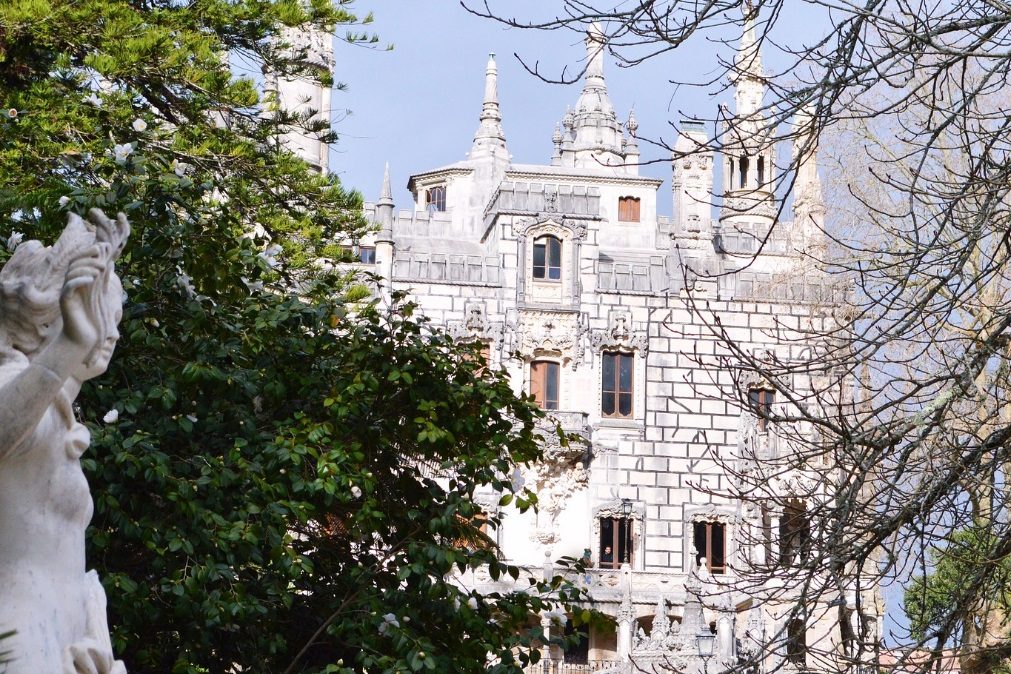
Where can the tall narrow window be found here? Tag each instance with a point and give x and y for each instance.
(435, 198)
(744, 171)
(544, 384)
(796, 643)
(628, 209)
(615, 542)
(761, 400)
(711, 544)
(548, 258)
(616, 384)
(794, 535)
(761, 171)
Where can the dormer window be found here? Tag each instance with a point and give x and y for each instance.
(628, 209)
(435, 199)
(547, 259)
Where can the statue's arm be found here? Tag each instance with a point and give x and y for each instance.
(25, 397)
(28, 394)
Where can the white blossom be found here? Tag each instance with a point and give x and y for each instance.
(192, 418)
(270, 255)
(111, 417)
(14, 239)
(180, 168)
(93, 99)
(472, 603)
(356, 491)
(517, 479)
(186, 284)
(557, 615)
(139, 125)
(389, 620)
(64, 200)
(456, 603)
(253, 286)
(122, 151)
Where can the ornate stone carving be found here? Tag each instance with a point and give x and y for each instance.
(562, 228)
(475, 325)
(551, 331)
(59, 308)
(561, 474)
(619, 335)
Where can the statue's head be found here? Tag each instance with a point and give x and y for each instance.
(32, 280)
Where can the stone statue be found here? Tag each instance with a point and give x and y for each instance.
(59, 308)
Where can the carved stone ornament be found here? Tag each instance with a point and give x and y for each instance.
(551, 331)
(563, 228)
(59, 308)
(556, 479)
(475, 325)
(619, 335)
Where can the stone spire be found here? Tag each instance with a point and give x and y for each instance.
(489, 140)
(595, 133)
(808, 202)
(384, 208)
(748, 76)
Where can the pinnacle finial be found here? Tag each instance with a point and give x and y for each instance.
(595, 55)
(490, 139)
(386, 194)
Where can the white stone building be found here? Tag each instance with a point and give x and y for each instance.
(611, 316)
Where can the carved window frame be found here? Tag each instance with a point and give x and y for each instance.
(724, 515)
(571, 233)
(612, 508)
(636, 344)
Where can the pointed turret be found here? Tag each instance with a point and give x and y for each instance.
(593, 135)
(384, 239)
(808, 202)
(748, 76)
(489, 140)
(384, 208)
(631, 146)
(748, 154)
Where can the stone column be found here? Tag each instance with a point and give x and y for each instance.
(626, 615)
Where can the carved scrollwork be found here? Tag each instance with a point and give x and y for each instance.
(619, 335)
(475, 325)
(551, 331)
(563, 228)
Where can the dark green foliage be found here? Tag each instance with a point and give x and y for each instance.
(275, 492)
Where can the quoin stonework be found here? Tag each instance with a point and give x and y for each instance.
(616, 319)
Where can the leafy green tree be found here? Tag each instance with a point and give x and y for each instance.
(283, 479)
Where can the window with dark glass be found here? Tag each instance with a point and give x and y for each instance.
(796, 642)
(435, 198)
(616, 384)
(761, 171)
(548, 258)
(544, 384)
(615, 542)
(761, 400)
(711, 544)
(628, 209)
(367, 254)
(744, 171)
(794, 535)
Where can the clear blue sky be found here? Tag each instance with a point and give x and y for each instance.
(417, 106)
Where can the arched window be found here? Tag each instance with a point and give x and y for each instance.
(544, 384)
(744, 171)
(796, 643)
(628, 209)
(435, 198)
(547, 258)
(761, 171)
